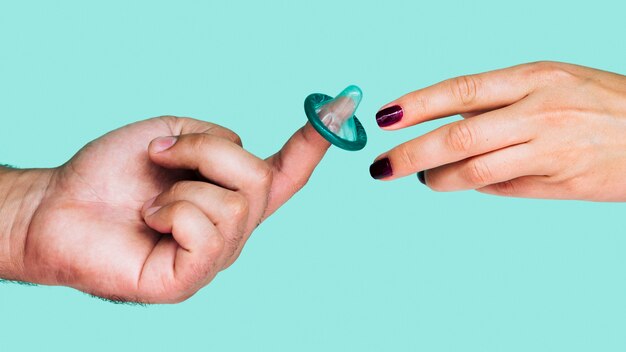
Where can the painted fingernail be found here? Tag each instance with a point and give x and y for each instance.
(381, 169)
(422, 177)
(163, 143)
(389, 116)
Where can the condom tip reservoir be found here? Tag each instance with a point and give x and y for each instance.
(334, 118)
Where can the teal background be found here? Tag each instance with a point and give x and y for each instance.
(350, 264)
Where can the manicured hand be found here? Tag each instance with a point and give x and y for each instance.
(540, 130)
(153, 211)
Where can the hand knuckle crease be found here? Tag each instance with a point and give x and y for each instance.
(421, 104)
(465, 89)
(200, 141)
(479, 173)
(461, 137)
(408, 157)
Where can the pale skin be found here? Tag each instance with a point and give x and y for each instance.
(153, 211)
(540, 130)
(148, 213)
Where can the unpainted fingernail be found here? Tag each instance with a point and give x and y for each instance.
(390, 115)
(151, 210)
(421, 176)
(163, 143)
(381, 169)
(147, 204)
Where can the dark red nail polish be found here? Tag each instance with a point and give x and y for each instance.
(381, 169)
(389, 116)
(421, 176)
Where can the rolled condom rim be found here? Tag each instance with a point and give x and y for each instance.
(310, 104)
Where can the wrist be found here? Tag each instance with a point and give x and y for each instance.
(21, 193)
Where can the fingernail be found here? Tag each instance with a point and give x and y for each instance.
(163, 143)
(147, 204)
(151, 211)
(389, 116)
(381, 169)
(422, 177)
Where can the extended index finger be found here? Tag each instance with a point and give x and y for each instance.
(464, 94)
(454, 142)
(293, 165)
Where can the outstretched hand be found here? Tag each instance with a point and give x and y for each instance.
(540, 130)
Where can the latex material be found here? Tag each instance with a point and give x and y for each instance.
(334, 118)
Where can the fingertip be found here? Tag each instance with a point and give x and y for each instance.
(381, 169)
(151, 210)
(421, 176)
(155, 218)
(389, 115)
(147, 204)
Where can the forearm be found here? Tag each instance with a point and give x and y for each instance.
(21, 192)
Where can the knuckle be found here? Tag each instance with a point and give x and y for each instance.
(465, 89)
(236, 205)
(551, 72)
(228, 134)
(180, 208)
(174, 123)
(545, 66)
(200, 141)
(407, 157)
(478, 173)
(420, 103)
(560, 116)
(223, 132)
(461, 137)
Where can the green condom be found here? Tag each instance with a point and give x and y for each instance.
(334, 118)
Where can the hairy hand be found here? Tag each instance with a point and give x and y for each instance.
(153, 211)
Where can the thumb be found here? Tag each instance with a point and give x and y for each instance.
(293, 165)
